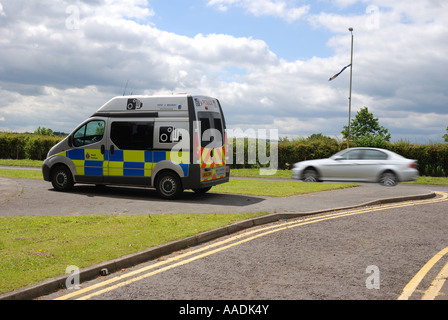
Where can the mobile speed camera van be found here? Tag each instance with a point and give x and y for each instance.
(171, 143)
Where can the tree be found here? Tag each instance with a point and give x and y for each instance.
(445, 136)
(44, 131)
(366, 131)
(319, 137)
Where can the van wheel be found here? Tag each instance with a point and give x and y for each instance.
(62, 179)
(168, 185)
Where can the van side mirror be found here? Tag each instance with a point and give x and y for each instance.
(70, 141)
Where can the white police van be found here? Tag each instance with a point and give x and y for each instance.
(171, 143)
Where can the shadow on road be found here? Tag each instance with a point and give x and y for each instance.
(188, 196)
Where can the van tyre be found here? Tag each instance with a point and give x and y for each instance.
(168, 185)
(62, 179)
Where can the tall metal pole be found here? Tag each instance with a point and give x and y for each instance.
(350, 94)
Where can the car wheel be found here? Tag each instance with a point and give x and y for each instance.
(62, 179)
(310, 175)
(389, 179)
(168, 185)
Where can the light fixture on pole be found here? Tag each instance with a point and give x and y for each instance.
(350, 94)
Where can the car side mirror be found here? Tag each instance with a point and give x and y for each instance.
(70, 141)
(339, 158)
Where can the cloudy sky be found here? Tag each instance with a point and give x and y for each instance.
(267, 61)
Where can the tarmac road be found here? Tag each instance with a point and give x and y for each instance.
(366, 253)
(20, 197)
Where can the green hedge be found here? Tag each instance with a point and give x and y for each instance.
(432, 158)
(25, 145)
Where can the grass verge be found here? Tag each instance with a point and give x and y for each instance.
(286, 174)
(275, 188)
(249, 173)
(256, 173)
(430, 180)
(21, 173)
(35, 248)
(21, 163)
(254, 187)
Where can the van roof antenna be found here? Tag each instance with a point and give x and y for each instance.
(125, 87)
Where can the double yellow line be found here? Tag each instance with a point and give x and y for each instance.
(193, 255)
(433, 291)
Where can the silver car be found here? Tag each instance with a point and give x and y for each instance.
(358, 164)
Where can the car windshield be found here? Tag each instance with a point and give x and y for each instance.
(339, 154)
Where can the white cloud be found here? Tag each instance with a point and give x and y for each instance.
(59, 109)
(275, 8)
(115, 10)
(399, 66)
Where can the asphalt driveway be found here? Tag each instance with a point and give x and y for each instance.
(36, 197)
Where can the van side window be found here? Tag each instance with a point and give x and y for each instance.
(132, 135)
(211, 130)
(89, 133)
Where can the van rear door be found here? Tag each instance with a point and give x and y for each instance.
(212, 161)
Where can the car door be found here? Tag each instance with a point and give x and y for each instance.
(88, 151)
(371, 163)
(344, 167)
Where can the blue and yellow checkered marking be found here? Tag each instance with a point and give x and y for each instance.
(128, 163)
(88, 162)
